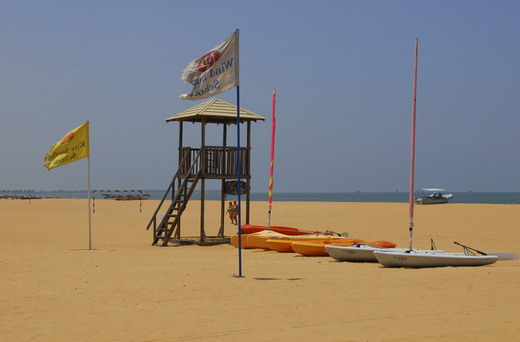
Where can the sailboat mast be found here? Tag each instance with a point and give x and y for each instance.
(412, 148)
(271, 168)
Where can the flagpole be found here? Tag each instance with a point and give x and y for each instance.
(412, 148)
(239, 219)
(271, 169)
(89, 191)
(89, 212)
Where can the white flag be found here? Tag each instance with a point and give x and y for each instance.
(214, 72)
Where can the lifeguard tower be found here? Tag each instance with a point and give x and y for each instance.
(196, 165)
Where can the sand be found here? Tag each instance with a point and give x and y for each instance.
(53, 288)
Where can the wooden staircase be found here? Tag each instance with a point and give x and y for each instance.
(169, 224)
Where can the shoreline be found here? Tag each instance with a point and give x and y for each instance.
(256, 201)
(355, 197)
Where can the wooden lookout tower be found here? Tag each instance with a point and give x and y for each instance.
(196, 165)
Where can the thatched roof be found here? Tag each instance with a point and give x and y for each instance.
(215, 111)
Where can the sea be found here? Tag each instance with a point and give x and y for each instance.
(386, 197)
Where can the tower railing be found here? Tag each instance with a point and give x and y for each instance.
(219, 162)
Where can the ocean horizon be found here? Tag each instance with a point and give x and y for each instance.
(385, 197)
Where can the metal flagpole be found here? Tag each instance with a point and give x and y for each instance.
(239, 219)
(271, 170)
(89, 212)
(89, 191)
(412, 149)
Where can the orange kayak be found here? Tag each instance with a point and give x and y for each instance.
(310, 248)
(255, 243)
(385, 244)
(284, 244)
(316, 248)
(234, 240)
(279, 245)
(250, 229)
(259, 240)
(262, 232)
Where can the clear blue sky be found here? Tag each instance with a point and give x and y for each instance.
(343, 73)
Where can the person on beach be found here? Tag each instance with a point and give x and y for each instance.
(235, 206)
(231, 212)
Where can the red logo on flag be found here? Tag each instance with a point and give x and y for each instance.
(208, 60)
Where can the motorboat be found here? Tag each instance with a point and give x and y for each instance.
(433, 196)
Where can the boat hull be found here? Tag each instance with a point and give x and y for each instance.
(353, 253)
(259, 240)
(262, 236)
(310, 248)
(250, 229)
(256, 239)
(362, 253)
(317, 248)
(279, 245)
(429, 200)
(418, 259)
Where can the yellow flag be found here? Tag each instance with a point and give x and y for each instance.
(72, 147)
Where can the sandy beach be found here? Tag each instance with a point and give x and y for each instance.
(54, 289)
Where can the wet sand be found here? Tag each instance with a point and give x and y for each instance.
(53, 288)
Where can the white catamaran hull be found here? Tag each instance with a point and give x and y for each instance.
(420, 258)
(353, 253)
(362, 253)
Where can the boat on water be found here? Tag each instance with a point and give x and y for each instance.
(433, 196)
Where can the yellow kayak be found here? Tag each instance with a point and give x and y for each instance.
(258, 240)
(315, 248)
(285, 244)
(279, 245)
(255, 240)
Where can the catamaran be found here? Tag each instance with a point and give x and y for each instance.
(426, 258)
(363, 252)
